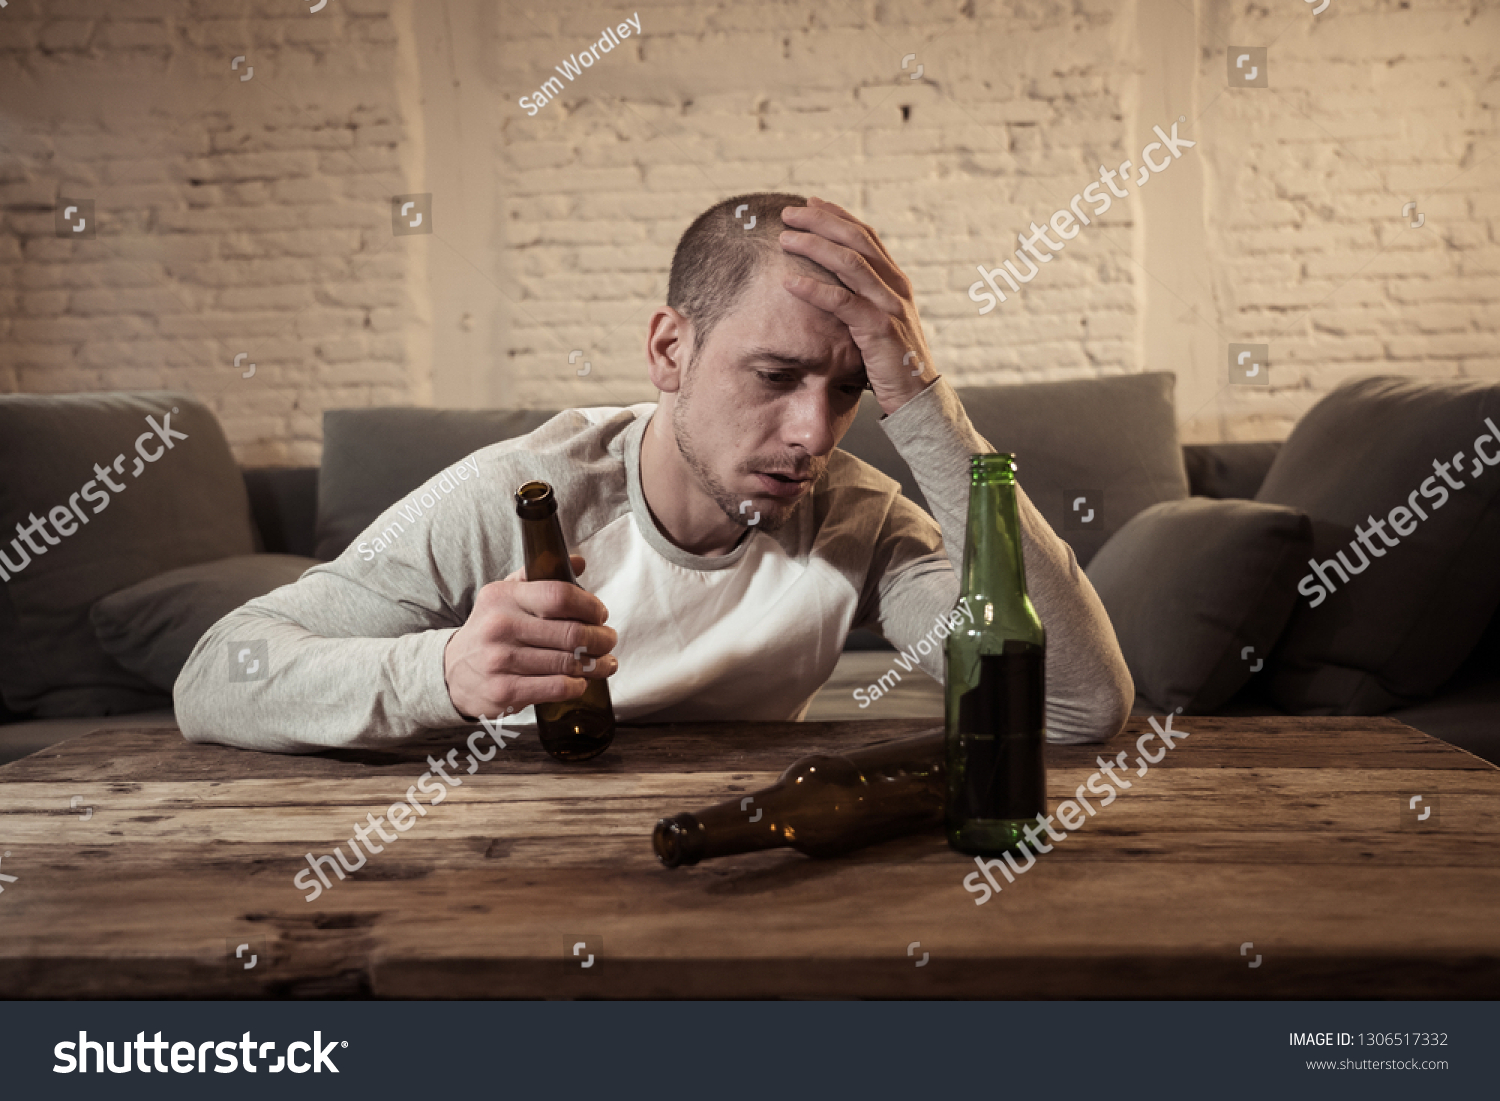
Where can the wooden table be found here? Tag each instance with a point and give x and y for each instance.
(1282, 833)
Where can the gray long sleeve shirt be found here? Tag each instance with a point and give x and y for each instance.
(355, 647)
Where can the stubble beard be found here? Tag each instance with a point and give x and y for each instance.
(772, 516)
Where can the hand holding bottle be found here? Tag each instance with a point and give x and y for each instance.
(518, 646)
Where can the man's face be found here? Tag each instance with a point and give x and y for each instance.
(766, 399)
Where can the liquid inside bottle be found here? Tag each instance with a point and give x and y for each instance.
(998, 782)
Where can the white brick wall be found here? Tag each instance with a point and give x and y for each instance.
(254, 215)
(232, 215)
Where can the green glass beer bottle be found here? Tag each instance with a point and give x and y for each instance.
(995, 694)
(577, 729)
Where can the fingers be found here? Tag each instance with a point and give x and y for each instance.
(874, 238)
(520, 575)
(559, 600)
(534, 664)
(561, 623)
(513, 694)
(856, 311)
(840, 230)
(852, 268)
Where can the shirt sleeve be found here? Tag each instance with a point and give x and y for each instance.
(1089, 689)
(353, 650)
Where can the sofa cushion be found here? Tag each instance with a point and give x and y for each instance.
(1198, 591)
(1110, 441)
(1388, 622)
(123, 486)
(151, 627)
(374, 457)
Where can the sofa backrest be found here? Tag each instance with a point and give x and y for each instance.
(374, 457)
(284, 500)
(1225, 470)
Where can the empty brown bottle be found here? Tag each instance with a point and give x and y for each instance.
(821, 806)
(577, 729)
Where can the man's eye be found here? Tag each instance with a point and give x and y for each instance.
(776, 378)
(855, 391)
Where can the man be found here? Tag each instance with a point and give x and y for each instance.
(729, 546)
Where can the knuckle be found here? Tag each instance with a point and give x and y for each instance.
(576, 635)
(554, 596)
(497, 660)
(502, 627)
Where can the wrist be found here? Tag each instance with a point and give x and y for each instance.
(889, 403)
(448, 685)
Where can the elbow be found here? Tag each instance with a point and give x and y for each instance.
(190, 700)
(1112, 697)
(1112, 706)
(1095, 714)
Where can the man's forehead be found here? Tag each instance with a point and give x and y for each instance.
(767, 294)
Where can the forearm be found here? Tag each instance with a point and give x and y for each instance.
(314, 693)
(1089, 690)
(935, 437)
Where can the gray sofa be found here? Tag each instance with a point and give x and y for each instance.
(1100, 458)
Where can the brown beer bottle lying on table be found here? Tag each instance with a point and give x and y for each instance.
(572, 730)
(821, 806)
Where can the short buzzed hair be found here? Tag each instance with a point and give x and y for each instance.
(717, 257)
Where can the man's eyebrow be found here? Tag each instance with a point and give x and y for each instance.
(800, 363)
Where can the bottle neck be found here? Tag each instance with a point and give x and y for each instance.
(994, 570)
(722, 830)
(546, 553)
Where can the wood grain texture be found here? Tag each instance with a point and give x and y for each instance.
(1282, 832)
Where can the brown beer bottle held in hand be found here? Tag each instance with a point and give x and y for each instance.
(821, 806)
(577, 729)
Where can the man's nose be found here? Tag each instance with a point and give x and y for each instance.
(809, 424)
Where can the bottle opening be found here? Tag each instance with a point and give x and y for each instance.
(677, 841)
(535, 501)
(992, 468)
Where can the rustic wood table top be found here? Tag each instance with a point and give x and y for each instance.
(138, 864)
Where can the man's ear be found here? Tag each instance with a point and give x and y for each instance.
(669, 346)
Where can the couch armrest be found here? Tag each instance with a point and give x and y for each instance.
(284, 506)
(1228, 469)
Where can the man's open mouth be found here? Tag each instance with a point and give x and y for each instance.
(782, 485)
